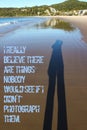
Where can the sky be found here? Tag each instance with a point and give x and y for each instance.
(28, 3)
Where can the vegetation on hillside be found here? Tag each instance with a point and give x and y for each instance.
(68, 5)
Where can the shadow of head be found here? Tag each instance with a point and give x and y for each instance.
(56, 59)
(57, 45)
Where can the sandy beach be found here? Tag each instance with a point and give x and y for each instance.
(71, 60)
(75, 63)
(78, 21)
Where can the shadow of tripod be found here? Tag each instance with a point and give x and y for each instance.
(56, 72)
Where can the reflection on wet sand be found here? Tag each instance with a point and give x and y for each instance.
(55, 23)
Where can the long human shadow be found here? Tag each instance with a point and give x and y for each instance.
(56, 73)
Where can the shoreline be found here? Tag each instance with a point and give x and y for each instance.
(78, 21)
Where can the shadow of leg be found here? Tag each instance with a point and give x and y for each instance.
(62, 114)
(49, 105)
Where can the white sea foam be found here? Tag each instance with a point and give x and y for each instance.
(7, 23)
(4, 24)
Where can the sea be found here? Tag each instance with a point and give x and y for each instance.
(11, 23)
(16, 20)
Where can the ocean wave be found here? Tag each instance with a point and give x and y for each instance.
(7, 23)
(4, 24)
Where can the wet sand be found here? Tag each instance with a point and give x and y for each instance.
(74, 54)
